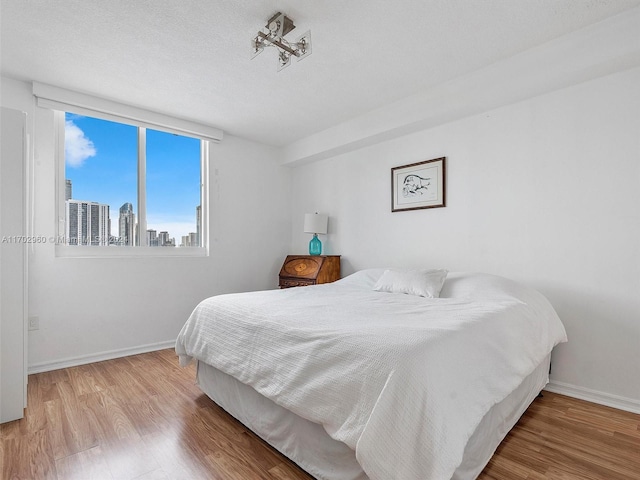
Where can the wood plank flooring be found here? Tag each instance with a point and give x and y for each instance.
(143, 418)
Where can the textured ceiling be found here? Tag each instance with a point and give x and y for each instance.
(190, 58)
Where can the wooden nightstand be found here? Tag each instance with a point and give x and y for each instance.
(301, 270)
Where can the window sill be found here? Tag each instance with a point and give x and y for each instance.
(68, 251)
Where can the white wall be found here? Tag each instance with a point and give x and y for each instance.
(89, 306)
(545, 191)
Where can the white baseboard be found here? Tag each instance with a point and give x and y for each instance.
(98, 357)
(601, 398)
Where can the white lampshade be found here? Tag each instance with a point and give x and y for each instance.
(315, 223)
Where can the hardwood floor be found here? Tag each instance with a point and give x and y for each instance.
(564, 438)
(143, 418)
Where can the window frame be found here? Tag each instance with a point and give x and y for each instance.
(141, 250)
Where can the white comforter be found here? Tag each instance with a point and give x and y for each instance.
(403, 380)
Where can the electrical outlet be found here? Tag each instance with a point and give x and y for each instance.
(34, 323)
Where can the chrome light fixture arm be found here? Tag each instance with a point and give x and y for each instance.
(277, 27)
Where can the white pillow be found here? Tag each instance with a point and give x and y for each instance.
(424, 283)
(366, 278)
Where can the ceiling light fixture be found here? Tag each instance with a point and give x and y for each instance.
(277, 27)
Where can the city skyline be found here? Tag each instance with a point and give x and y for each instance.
(101, 163)
(89, 223)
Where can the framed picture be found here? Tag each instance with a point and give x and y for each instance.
(418, 185)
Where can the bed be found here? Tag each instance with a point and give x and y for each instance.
(384, 374)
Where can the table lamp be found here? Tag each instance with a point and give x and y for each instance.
(317, 224)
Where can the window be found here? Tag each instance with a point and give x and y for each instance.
(130, 186)
(173, 190)
(100, 172)
(130, 181)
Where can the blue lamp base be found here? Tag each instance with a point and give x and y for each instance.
(315, 245)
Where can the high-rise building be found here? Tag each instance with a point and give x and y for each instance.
(87, 223)
(152, 238)
(193, 239)
(165, 241)
(127, 225)
(67, 189)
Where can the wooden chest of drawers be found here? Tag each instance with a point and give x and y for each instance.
(301, 270)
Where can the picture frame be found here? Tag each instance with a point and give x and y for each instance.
(419, 185)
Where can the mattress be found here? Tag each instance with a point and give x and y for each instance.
(311, 447)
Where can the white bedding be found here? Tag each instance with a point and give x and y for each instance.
(403, 380)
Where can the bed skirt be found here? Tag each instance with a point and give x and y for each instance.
(309, 445)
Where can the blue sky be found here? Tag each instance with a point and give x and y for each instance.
(101, 162)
